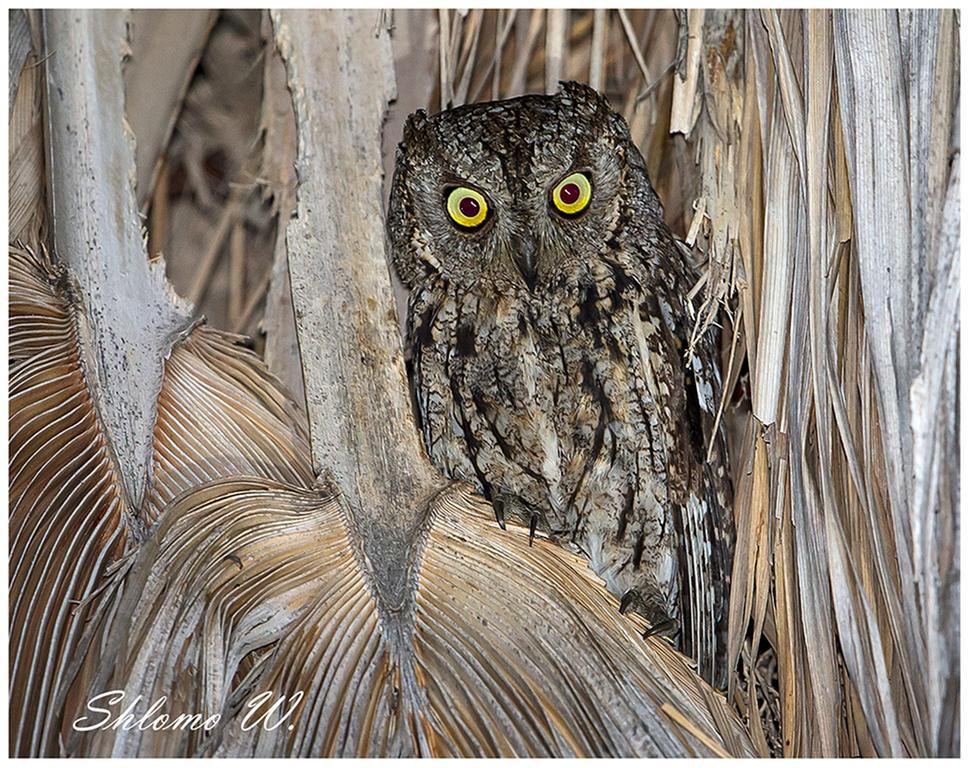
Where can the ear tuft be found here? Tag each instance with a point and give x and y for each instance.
(583, 95)
(414, 125)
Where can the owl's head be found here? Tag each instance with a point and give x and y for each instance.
(514, 193)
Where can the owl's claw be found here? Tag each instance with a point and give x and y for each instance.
(499, 506)
(658, 629)
(661, 624)
(627, 600)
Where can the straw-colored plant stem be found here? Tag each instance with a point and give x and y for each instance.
(833, 281)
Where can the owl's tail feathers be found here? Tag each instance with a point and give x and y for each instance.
(702, 590)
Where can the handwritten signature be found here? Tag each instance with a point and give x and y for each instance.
(156, 719)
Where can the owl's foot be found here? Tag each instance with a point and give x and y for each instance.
(630, 597)
(660, 624)
(667, 626)
(503, 505)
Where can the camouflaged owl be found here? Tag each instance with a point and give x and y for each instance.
(549, 329)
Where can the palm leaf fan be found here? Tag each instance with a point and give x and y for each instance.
(220, 413)
(255, 586)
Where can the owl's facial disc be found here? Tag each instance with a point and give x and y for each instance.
(518, 194)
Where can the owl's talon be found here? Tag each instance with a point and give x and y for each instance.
(532, 528)
(499, 506)
(627, 600)
(632, 599)
(659, 629)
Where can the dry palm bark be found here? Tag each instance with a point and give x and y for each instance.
(118, 400)
(282, 351)
(383, 603)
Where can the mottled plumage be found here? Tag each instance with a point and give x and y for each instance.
(550, 352)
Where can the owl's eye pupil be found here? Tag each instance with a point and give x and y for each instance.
(469, 207)
(569, 193)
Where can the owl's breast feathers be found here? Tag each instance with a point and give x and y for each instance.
(576, 407)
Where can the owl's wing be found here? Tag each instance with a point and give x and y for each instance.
(699, 481)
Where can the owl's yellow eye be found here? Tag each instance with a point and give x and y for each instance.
(467, 207)
(572, 194)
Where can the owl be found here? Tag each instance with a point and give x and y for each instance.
(550, 338)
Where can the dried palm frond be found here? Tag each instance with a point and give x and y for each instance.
(253, 586)
(165, 49)
(26, 206)
(213, 216)
(220, 413)
(81, 496)
(832, 294)
(67, 514)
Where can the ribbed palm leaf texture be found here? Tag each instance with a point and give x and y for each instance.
(240, 574)
(219, 412)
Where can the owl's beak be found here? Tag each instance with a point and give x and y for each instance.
(525, 252)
